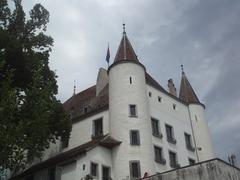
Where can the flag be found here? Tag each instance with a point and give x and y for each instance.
(108, 55)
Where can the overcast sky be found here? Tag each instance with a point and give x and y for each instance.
(203, 35)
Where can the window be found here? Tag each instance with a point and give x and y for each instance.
(135, 171)
(130, 80)
(170, 135)
(106, 173)
(132, 110)
(155, 128)
(173, 160)
(94, 169)
(85, 110)
(31, 177)
(188, 140)
(159, 155)
(64, 142)
(51, 173)
(159, 99)
(134, 137)
(174, 106)
(97, 127)
(191, 161)
(71, 113)
(150, 94)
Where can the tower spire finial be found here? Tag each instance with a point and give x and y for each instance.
(74, 88)
(124, 28)
(182, 69)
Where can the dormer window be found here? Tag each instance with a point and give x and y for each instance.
(85, 110)
(71, 113)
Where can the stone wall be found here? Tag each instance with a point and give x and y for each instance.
(214, 169)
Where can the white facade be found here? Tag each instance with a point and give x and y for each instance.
(179, 119)
(117, 123)
(127, 85)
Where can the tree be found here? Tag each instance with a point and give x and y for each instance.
(30, 115)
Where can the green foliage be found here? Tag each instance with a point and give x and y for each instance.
(30, 115)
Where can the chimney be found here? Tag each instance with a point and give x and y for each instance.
(171, 88)
(102, 80)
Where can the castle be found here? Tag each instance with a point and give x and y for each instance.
(128, 126)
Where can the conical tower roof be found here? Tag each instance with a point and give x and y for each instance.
(187, 93)
(125, 50)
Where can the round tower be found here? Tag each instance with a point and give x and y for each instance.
(129, 113)
(201, 136)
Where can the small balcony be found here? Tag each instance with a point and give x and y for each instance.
(157, 135)
(161, 161)
(171, 140)
(174, 165)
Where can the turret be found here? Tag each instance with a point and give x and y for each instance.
(201, 135)
(129, 113)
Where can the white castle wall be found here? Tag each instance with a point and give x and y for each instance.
(121, 94)
(201, 131)
(75, 170)
(99, 155)
(80, 134)
(82, 130)
(178, 119)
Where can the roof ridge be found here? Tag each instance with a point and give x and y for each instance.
(79, 93)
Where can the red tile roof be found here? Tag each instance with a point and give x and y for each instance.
(187, 93)
(87, 102)
(125, 50)
(94, 104)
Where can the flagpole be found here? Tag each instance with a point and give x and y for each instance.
(108, 55)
